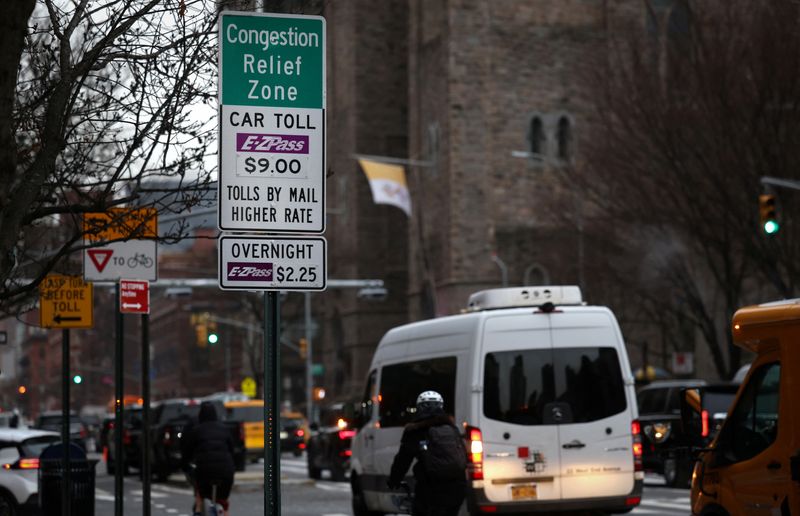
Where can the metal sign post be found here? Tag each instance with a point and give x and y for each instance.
(65, 484)
(145, 415)
(272, 415)
(272, 178)
(118, 410)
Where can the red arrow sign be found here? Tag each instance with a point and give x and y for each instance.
(100, 257)
(134, 297)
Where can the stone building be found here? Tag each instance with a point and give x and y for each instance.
(496, 96)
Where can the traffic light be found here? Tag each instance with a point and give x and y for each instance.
(200, 323)
(213, 336)
(303, 345)
(768, 213)
(318, 393)
(77, 379)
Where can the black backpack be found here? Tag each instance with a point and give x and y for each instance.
(443, 455)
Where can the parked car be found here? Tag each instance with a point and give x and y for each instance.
(329, 444)
(131, 437)
(19, 468)
(51, 421)
(293, 433)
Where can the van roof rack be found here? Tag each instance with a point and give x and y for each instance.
(515, 297)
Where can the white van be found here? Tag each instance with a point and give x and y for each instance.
(540, 384)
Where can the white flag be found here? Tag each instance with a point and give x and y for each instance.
(388, 184)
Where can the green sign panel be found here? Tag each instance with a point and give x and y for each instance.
(272, 60)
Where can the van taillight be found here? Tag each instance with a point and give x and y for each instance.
(704, 431)
(475, 452)
(126, 437)
(636, 432)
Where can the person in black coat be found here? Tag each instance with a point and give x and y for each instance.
(209, 446)
(432, 497)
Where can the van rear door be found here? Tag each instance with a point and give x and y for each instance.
(520, 437)
(595, 444)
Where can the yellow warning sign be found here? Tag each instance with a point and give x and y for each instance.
(120, 223)
(65, 302)
(249, 387)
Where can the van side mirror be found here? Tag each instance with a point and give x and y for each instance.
(691, 417)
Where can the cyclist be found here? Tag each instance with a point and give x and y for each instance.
(440, 479)
(210, 447)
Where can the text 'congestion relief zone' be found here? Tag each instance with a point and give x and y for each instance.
(272, 123)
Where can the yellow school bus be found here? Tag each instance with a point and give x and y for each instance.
(752, 468)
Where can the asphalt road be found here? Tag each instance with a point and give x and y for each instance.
(304, 497)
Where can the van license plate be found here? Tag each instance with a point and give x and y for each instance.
(284, 435)
(523, 492)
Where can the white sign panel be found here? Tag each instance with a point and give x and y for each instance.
(272, 169)
(272, 123)
(133, 259)
(272, 263)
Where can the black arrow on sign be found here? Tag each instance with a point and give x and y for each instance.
(59, 318)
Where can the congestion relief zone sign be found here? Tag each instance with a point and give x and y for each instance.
(272, 263)
(272, 123)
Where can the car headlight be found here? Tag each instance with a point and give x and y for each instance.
(658, 432)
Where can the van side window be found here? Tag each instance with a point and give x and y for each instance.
(402, 383)
(365, 409)
(519, 384)
(753, 425)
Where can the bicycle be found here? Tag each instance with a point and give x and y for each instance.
(210, 505)
(404, 503)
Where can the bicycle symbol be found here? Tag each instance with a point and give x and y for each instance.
(140, 259)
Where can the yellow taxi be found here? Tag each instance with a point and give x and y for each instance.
(251, 416)
(293, 431)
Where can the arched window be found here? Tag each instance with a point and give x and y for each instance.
(564, 137)
(536, 136)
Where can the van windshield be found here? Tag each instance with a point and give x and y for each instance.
(519, 385)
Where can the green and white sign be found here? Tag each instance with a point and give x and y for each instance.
(272, 120)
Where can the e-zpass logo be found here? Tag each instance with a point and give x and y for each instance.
(277, 143)
(248, 271)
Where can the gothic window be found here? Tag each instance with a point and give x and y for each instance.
(564, 138)
(536, 136)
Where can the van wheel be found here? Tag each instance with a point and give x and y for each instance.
(359, 503)
(8, 507)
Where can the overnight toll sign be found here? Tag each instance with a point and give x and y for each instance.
(272, 119)
(272, 263)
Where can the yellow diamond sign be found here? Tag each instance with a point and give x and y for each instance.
(249, 387)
